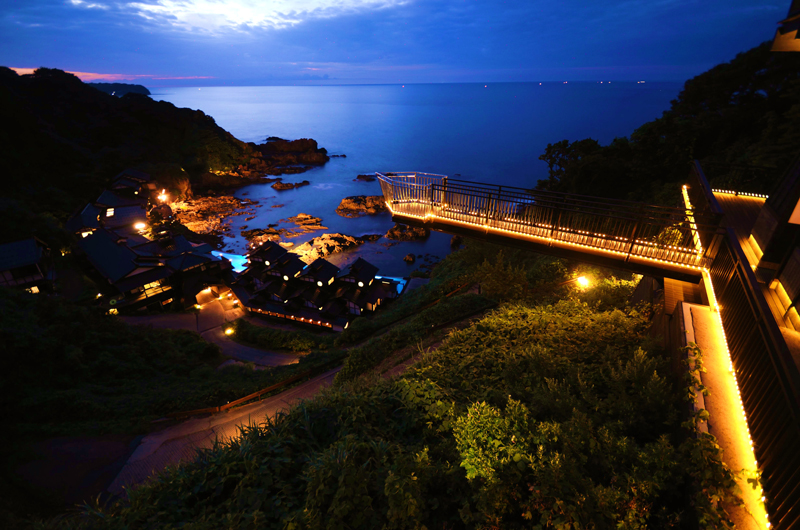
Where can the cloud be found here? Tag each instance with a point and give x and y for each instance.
(88, 77)
(222, 16)
(87, 5)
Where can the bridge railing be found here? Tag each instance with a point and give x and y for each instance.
(618, 226)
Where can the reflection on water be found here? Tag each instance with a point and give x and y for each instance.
(239, 262)
(490, 134)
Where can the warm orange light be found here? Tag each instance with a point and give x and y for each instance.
(163, 196)
(229, 331)
(583, 281)
(139, 226)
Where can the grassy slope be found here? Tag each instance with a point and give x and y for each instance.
(551, 415)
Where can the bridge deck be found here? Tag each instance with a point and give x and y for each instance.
(638, 237)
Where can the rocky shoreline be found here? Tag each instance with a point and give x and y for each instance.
(359, 205)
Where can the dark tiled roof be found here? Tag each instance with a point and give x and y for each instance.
(113, 260)
(187, 261)
(289, 265)
(126, 215)
(147, 275)
(123, 182)
(133, 174)
(19, 254)
(86, 219)
(111, 199)
(362, 270)
(269, 251)
(168, 246)
(321, 269)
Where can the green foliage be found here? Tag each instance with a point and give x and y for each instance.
(546, 417)
(367, 356)
(501, 280)
(277, 339)
(741, 113)
(458, 269)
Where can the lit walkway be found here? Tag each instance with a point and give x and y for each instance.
(180, 443)
(642, 238)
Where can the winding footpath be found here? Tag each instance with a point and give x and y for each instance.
(181, 442)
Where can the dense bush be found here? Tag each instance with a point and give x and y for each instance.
(277, 339)
(367, 356)
(555, 416)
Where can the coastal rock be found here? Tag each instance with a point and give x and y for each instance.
(260, 235)
(401, 232)
(325, 245)
(364, 178)
(210, 215)
(361, 205)
(280, 186)
(409, 259)
(306, 224)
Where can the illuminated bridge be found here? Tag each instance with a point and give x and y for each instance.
(729, 262)
(652, 240)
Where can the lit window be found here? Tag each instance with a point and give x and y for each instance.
(33, 290)
(110, 212)
(86, 234)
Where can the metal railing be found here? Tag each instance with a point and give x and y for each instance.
(622, 227)
(768, 378)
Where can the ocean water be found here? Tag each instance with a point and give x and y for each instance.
(487, 133)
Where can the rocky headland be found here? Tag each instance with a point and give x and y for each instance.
(361, 205)
(212, 215)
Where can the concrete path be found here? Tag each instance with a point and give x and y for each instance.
(240, 352)
(209, 323)
(181, 442)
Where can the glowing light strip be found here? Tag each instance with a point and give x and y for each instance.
(690, 217)
(487, 228)
(715, 309)
(729, 192)
(732, 374)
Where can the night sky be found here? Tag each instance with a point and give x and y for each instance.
(244, 42)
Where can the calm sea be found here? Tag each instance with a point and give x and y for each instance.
(488, 133)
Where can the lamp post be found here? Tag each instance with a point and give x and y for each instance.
(583, 281)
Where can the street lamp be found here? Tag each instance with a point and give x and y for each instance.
(583, 281)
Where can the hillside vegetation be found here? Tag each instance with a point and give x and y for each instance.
(548, 416)
(73, 370)
(740, 119)
(64, 140)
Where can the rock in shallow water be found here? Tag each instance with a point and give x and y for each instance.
(401, 232)
(327, 244)
(361, 205)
